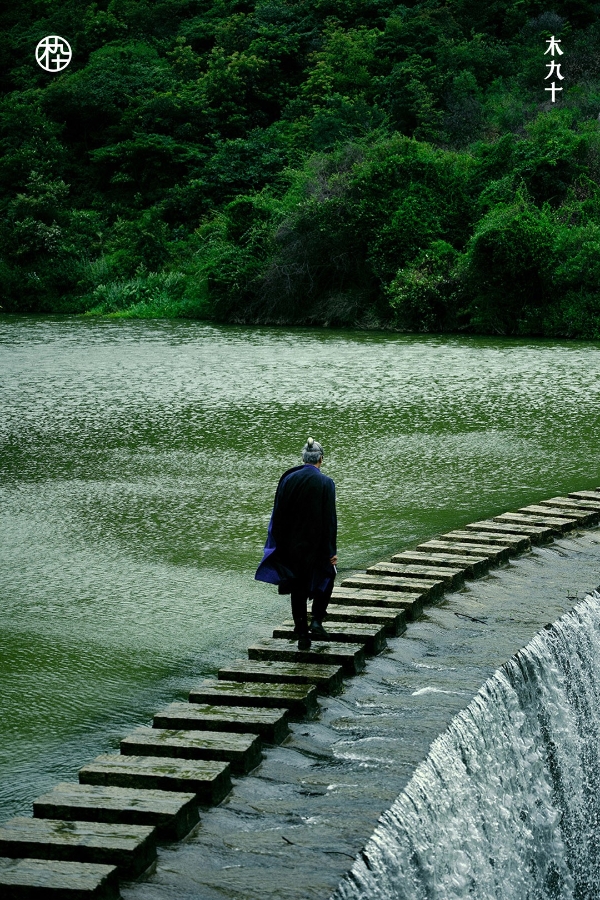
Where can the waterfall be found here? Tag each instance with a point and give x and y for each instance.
(507, 803)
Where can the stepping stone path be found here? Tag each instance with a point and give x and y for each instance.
(450, 579)
(300, 700)
(84, 837)
(131, 848)
(428, 589)
(371, 636)
(472, 566)
(49, 879)
(568, 503)
(241, 751)
(555, 524)
(498, 526)
(270, 724)
(210, 781)
(456, 552)
(581, 516)
(392, 620)
(584, 495)
(172, 814)
(326, 678)
(350, 657)
(410, 604)
(516, 543)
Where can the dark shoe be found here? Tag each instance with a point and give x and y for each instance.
(304, 642)
(317, 629)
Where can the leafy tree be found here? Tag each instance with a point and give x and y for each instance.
(325, 161)
(425, 296)
(504, 267)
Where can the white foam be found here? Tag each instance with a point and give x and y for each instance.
(507, 804)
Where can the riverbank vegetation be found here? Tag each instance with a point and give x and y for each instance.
(341, 162)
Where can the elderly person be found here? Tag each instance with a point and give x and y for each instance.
(300, 554)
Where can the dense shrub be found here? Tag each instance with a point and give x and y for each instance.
(147, 295)
(504, 266)
(425, 296)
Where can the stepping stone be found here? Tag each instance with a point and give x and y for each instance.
(392, 620)
(585, 495)
(52, 879)
(452, 578)
(536, 533)
(209, 780)
(429, 588)
(350, 657)
(568, 503)
(270, 724)
(516, 543)
(372, 636)
(556, 525)
(412, 604)
(172, 814)
(300, 700)
(582, 517)
(474, 566)
(586, 512)
(326, 678)
(492, 554)
(131, 848)
(242, 751)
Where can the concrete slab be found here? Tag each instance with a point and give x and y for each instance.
(351, 657)
(412, 604)
(392, 620)
(452, 578)
(326, 678)
(584, 495)
(429, 588)
(565, 504)
(131, 848)
(209, 780)
(372, 636)
(494, 555)
(473, 566)
(582, 517)
(172, 814)
(516, 543)
(300, 700)
(270, 724)
(242, 751)
(537, 534)
(52, 879)
(556, 525)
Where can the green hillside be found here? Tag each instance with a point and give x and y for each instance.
(341, 162)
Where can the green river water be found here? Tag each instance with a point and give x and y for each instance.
(138, 462)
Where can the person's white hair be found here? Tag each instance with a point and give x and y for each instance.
(312, 451)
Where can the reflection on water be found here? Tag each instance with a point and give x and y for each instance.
(137, 467)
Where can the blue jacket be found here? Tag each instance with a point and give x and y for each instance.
(302, 532)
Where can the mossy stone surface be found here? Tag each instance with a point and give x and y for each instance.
(49, 879)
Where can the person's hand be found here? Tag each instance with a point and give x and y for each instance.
(333, 560)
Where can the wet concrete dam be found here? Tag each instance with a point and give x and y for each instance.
(270, 781)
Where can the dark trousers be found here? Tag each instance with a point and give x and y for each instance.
(320, 602)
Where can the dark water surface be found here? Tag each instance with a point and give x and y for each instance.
(137, 466)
